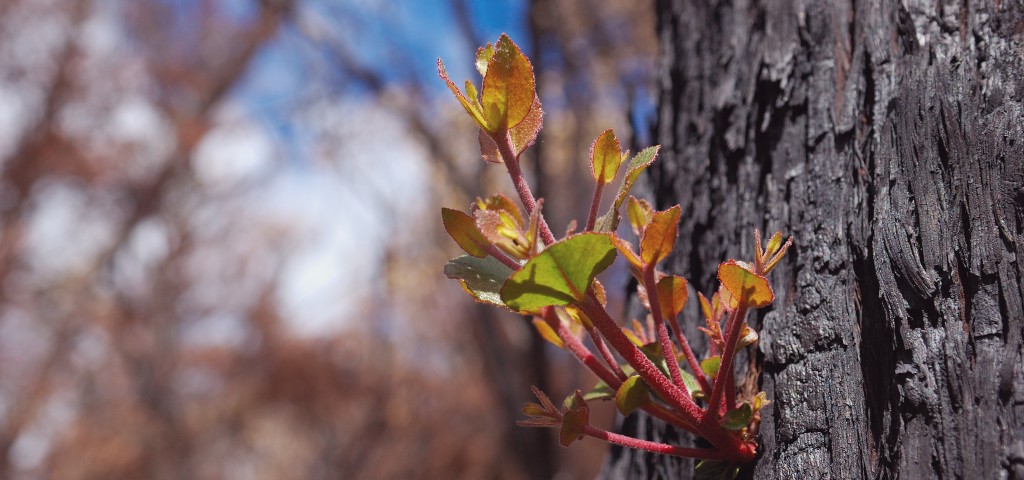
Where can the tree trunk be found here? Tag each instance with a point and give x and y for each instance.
(887, 137)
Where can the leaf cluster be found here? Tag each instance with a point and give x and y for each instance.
(513, 261)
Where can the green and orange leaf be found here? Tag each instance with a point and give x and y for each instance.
(744, 285)
(672, 295)
(605, 157)
(659, 236)
(509, 88)
(462, 228)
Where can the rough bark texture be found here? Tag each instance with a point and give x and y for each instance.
(887, 137)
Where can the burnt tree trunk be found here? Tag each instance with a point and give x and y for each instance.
(887, 137)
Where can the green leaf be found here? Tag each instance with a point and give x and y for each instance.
(672, 295)
(632, 394)
(691, 384)
(481, 277)
(654, 353)
(715, 470)
(508, 88)
(462, 228)
(710, 365)
(559, 275)
(601, 391)
(605, 157)
(575, 419)
(609, 222)
(659, 236)
(737, 419)
(744, 284)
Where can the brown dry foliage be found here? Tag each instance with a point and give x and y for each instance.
(101, 375)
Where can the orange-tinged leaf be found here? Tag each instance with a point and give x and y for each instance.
(659, 237)
(627, 251)
(744, 284)
(508, 89)
(462, 228)
(705, 307)
(600, 294)
(672, 295)
(605, 157)
(470, 107)
(547, 332)
(631, 395)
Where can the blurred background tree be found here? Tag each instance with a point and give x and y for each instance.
(220, 248)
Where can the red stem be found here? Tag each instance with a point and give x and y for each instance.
(504, 141)
(711, 415)
(691, 359)
(659, 324)
(602, 348)
(650, 373)
(703, 453)
(580, 351)
(595, 205)
(501, 257)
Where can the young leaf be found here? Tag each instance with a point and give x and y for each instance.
(659, 237)
(481, 277)
(462, 228)
(610, 221)
(745, 284)
(483, 56)
(508, 89)
(470, 106)
(576, 419)
(672, 295)
(559, 275)
(605, 157)
(639, 213)
(738, 418)
(633, 394)
(503, 203)
(547, 332)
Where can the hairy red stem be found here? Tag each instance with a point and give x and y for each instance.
(644, 367)
(580, 351)
(595, 205)
(713, 411)
(659, 324)
(702, 453)
(504, 141)
(501, 257)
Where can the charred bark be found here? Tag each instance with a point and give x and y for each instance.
(887, 137)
